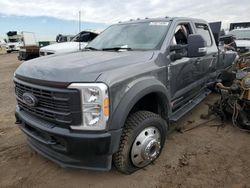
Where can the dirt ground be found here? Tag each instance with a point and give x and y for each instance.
(203, 157)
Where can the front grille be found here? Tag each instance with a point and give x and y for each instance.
(50, 53)
(46, 53)
(60, 106)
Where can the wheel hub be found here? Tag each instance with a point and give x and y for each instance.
(151, 150)
(146, 147)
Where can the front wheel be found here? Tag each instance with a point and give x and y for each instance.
(141, 142)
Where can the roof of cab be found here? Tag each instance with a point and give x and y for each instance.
(161, 19)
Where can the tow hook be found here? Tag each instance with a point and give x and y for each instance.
(18, 121)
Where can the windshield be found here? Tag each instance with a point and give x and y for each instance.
(134, 36)
(241, 34)
(77, 38)
(84, 37)
(14, 40)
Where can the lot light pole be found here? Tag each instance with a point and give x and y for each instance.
(79, 30)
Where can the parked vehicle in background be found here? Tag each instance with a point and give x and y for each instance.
(115, 100)
(227, 42)
(14, 41)
(3, 41)
(2, 46)
(242, 39)
(45, 43)
(30, 48)
(64, 38)
(77, 43)
(239, 25)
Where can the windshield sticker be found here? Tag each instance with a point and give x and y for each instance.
(124, 46)
(159, 23)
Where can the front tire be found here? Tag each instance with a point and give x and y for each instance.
(141, 142)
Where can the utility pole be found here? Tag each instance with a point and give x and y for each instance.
(79, 30)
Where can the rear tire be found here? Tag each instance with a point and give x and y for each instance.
(141, 142)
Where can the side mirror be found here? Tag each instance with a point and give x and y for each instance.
(196, 46)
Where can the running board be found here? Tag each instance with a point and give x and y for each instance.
(189, 106)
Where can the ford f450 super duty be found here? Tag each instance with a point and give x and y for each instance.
(115, 100)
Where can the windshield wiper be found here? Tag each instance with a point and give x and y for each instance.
(91, 48)
(117, 48)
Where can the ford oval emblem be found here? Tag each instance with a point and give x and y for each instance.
(29, 99)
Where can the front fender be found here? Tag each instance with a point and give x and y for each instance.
(135, 92)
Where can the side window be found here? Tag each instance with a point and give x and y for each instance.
(181, 34)
(85, 37)
(203, 30)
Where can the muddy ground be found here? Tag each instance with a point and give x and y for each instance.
(204, 157)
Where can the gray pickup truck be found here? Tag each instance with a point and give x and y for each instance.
(114, 101)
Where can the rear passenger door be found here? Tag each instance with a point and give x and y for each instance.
(208, 62)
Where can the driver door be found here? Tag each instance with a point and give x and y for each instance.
(184, 73)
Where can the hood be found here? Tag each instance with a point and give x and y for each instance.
(243, 43)
(63, 47)
(84, 66)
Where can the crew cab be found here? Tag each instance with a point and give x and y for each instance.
(116, 99)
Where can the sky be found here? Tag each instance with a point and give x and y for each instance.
(47, 18)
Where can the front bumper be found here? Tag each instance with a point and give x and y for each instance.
(67, 148)
(243, 49)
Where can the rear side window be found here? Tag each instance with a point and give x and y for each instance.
(203, 30)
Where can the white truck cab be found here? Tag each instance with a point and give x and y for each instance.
(14, 41)
(242, 39)
(77, 43)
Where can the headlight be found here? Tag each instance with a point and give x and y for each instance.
(247, 83)
(95, 105)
